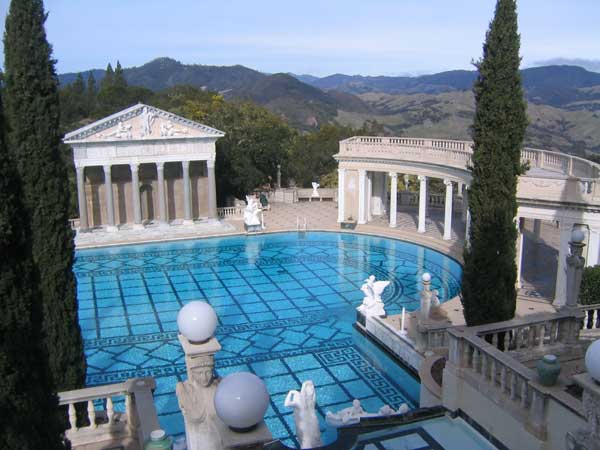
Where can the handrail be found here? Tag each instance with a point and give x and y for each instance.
(461, 151)
(106, 424)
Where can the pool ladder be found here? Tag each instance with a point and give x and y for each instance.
(304, 228)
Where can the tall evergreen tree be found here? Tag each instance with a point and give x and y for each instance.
(109, 77)
(90, 94)
(27, 405)
(32, 114)
(119, 77)
(489, 276)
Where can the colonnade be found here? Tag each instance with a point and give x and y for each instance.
(366, 195)
(135, 194)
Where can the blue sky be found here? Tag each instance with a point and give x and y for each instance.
(376, 37)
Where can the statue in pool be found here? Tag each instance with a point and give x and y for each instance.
(372, 304)
(307, 424)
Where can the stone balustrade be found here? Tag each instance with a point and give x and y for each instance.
(495, 373)
(105, 423)
(591, 320)
(532, 332)
(460, 152)
(230, 212)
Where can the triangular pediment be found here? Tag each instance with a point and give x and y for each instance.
(141, 122)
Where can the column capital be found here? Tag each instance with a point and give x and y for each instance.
(422, 178)
(393, 175)
(107, 168)
(185, 164)
(80, 169)
(160, 165)
(448, 182)
(134, 166)
(341, 170)
(210, 163)
(362, 172)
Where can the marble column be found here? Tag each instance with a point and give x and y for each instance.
(593, 253)
(422, 203)
(370, 196)
(187, 198)
(212, 189)
(83, 217)
(560, 291)
(448, 211)
(162, 204)
(519, 250)
(341, 195)
(394, 199)
(459, 189)
(466, 214)
(135, 195)
(362, 175)
(108, 191)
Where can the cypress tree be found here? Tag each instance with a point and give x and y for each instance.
(28, 407)
(489, 276)
(32, 114)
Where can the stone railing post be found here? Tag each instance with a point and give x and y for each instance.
(575, 265)
(589, 438)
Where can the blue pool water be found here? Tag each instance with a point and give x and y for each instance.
(286, 304)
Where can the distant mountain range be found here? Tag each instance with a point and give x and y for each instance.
(564, 100)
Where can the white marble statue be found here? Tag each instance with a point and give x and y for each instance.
(372, 304)
(307, 425)
(252, 212)
(315, 192)
(123, 131)
(147, 121)
(167, 129)
(353, 414)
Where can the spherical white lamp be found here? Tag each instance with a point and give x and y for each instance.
(426, 277)
(577, 236)
(197, 321)
(592, 360)
(241, 400)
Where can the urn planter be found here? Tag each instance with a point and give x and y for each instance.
(548, 369)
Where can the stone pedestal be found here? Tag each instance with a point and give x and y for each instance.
(588, 439)
(204, 429)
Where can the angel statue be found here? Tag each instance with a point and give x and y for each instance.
(307, 425)
(252, 212)
(372, 304)
(315, 192)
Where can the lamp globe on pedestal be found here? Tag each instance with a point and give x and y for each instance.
(426, 277)
(197, 321)
(577, 236)
(241, 400)
(592, 360)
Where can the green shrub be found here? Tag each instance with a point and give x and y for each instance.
(589, 292)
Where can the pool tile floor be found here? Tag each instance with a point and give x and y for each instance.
(285, 302)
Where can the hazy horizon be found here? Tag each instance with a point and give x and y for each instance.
(383, 37)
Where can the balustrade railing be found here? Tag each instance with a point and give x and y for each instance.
(230, 212)
(532, 332)
(495, 372)
(115, 413)
(486, 356)
(591, 320)
(458, 153)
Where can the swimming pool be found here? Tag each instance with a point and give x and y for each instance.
(286, 304)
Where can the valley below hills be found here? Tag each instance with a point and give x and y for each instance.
(563, 101)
